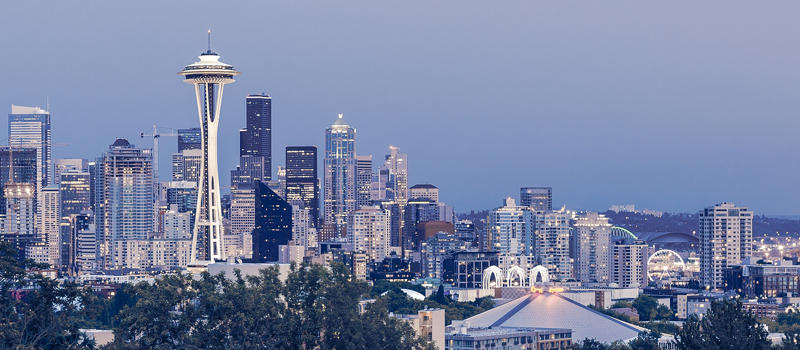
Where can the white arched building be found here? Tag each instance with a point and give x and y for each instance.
(515, 276)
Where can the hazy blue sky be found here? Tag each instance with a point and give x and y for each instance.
(670, 105)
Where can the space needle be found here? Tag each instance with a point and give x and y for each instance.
(209, 77)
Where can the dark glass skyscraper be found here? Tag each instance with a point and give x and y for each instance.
(301, 178)
(273, 223)
(191, 138)
(256, 138)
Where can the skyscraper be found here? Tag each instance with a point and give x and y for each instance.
(302, 182)
(363, 181)
(538, 198)
(209, 77)
(397, 163)
(30, 127)
(75, 199)
(273, 223)
(340, 172)
(256, 138)
(191, 138)
(726, 238)
(591, 240)
(127, 194)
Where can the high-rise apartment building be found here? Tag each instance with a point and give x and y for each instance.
(726, 238)
(127, 194)
(368, 232)
(510, 229)
(591, 239)
(191, 138)
(273, 224)
(48, 224)
(538, 198)
(628, 263)
(303, 232)
(397, 163)
(340, 172)
(29, 127)
(363, 181)
(551, 245)
(302, 181)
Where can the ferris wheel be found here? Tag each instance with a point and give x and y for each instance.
(665, 264)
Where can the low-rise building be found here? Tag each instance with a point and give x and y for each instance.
(429, 324)
(510, 338)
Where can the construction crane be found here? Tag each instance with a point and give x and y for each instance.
(156, 135)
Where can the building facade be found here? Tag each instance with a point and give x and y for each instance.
(591, 242)
(340, 172)
(538, 198)
(510, 229)
(29, 127)
(127, 194)
(726, 239)
(551, 246)
(363, 181)
(368, 232)
(302, 181)
(273, 224)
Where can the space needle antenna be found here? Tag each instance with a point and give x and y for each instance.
(209, 40)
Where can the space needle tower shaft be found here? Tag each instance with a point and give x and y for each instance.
(209, 77)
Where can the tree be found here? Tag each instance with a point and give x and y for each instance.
(439, 296)
(790, 340)
(588, 344)
(315, 308)
(646, 306)
(38, 312)
(645, 341)
(725, 326)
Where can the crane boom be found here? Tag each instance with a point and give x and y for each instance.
(156, 135)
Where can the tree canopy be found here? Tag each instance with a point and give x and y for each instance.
(726, 326)
(315, 308)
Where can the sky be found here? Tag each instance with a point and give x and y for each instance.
(670, 106)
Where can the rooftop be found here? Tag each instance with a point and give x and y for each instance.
(546, 310)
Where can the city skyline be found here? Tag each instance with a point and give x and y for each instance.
(651, 132)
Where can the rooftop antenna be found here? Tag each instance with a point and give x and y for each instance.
(48, 103)
(209, 40)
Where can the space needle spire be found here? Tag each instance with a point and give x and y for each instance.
(209, 77)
